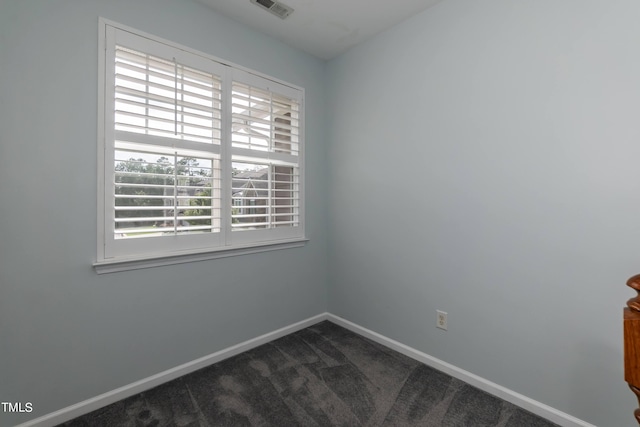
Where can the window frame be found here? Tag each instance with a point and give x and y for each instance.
(117, 254)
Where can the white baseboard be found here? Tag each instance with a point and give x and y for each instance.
(73, 411)
(533, 406)
(79, 409)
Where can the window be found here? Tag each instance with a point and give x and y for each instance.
(195, 155)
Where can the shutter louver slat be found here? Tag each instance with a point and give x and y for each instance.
(164, 120)
(170, 89)
(145, 72)
(198, 114)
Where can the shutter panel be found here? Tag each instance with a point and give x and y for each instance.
(264, 121)
(162, 110)
(265, 148)
(155, 96)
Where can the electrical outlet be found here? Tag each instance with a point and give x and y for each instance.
(442, 320)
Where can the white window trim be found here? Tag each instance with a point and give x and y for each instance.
(105, 264)
(135, 263)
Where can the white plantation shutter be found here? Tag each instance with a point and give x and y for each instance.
(194, 150)
(265, 146)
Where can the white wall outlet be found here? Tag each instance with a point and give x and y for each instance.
(442, 320)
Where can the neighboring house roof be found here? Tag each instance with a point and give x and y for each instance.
(250, 179)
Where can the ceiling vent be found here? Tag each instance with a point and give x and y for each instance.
(279, 9)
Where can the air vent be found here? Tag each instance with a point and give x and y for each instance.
(279, 9)
(265, 3)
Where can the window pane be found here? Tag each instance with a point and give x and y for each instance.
(197, 188)
(158, 195)
(264, 196)
(144, 194)
(250, 196)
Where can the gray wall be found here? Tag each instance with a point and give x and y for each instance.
(484, 161)
(67, 334)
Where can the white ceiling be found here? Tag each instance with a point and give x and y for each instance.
(324, 28)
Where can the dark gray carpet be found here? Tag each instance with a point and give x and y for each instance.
(324, 375)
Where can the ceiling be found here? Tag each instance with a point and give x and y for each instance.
(323, 28)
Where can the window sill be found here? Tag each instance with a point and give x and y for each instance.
(125, 264)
